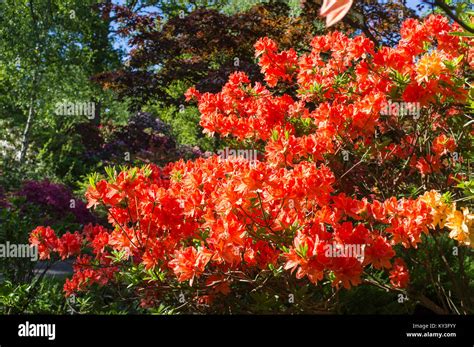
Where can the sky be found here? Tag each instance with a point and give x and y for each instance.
(413, 3)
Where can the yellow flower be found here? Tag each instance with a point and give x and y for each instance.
(429, 65)
(439, 208)
(461, 225)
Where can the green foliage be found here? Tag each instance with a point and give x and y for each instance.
(372, 300)
(48, 51)
(467, 188)
(184, 125)
(17, 298)
(15, 229)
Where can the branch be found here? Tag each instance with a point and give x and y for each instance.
(447, 9)
(426, 302)
(363, 27)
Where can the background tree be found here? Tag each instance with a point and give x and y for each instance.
(201, 43)
(48, 52)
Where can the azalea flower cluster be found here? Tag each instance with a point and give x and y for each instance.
(459, 223)
(214, 221)
(226, 216)
(47, 241)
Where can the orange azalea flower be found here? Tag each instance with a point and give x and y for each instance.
(399, 276)
(461, 225)
(439, 208)
(379, 253)
(430, 66)
(69, 244)
(190, 263)
(45, 239)
(443, 144)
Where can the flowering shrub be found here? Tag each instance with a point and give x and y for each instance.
(55, 202)
(334, 156)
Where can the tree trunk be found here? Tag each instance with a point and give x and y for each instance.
(31, 114)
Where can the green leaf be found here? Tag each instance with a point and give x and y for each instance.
(111, 173)
(302, 251)
(465, 34)
(274, 135)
